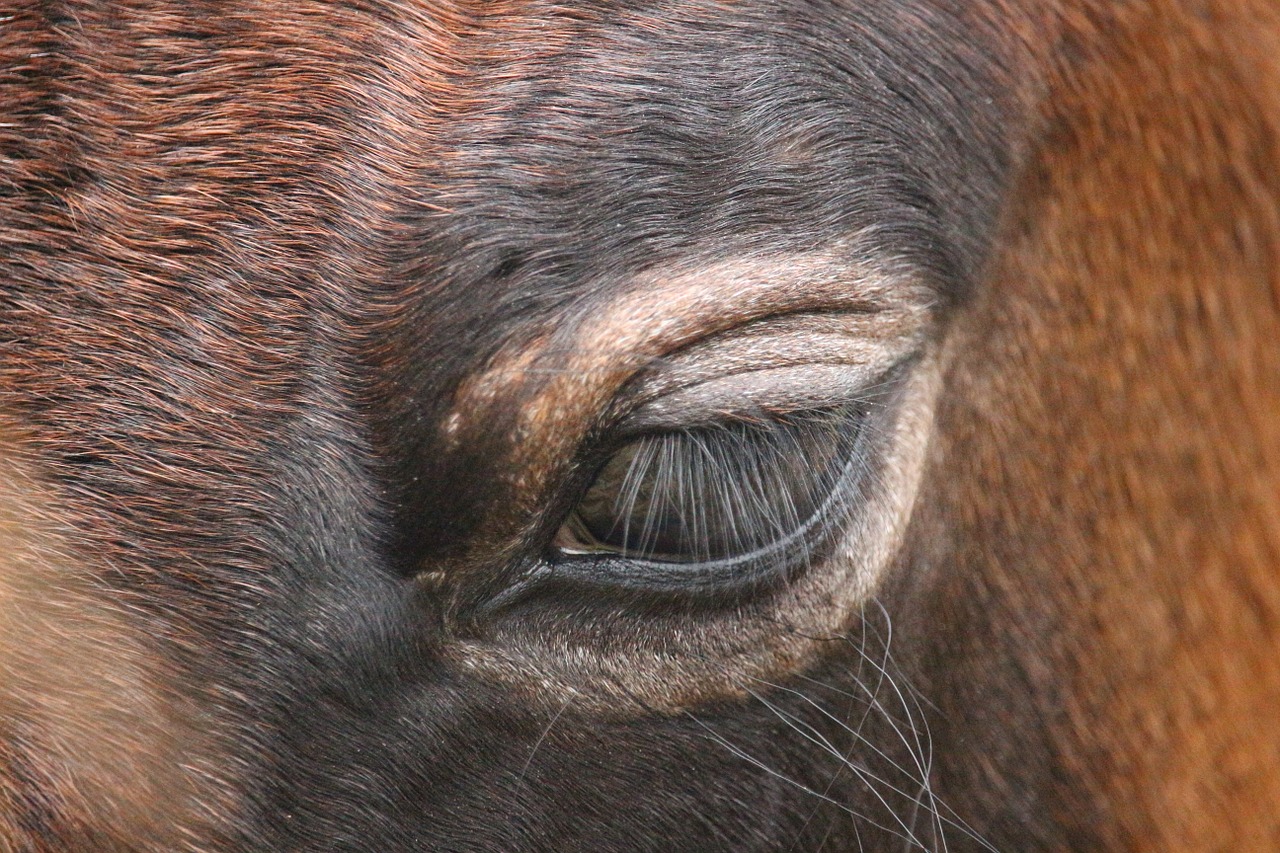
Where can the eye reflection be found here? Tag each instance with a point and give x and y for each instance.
(715, 493)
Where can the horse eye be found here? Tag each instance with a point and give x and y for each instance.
(724, 493)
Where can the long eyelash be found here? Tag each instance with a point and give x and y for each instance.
(741, 487)
(632, 484)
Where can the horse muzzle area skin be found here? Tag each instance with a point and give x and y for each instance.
(520, 426)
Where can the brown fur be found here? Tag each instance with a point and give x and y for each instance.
(212, 277)
(1176, 699)
(1113, 442)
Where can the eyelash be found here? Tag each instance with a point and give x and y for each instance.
(737, 504)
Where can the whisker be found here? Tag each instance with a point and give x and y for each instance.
(742, 754)
(919, 750)
(541, 739)
(863, 773)
(926, 789)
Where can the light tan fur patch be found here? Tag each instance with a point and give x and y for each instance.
(99, 748)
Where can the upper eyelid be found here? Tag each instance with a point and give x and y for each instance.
(559, 388)
(763, 392)
(665, 397)
(767, 361)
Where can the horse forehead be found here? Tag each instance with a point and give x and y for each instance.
(560, 154)
(507, 154)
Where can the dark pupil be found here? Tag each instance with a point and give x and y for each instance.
(716, 493)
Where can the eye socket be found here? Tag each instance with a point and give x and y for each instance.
(727, 494)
